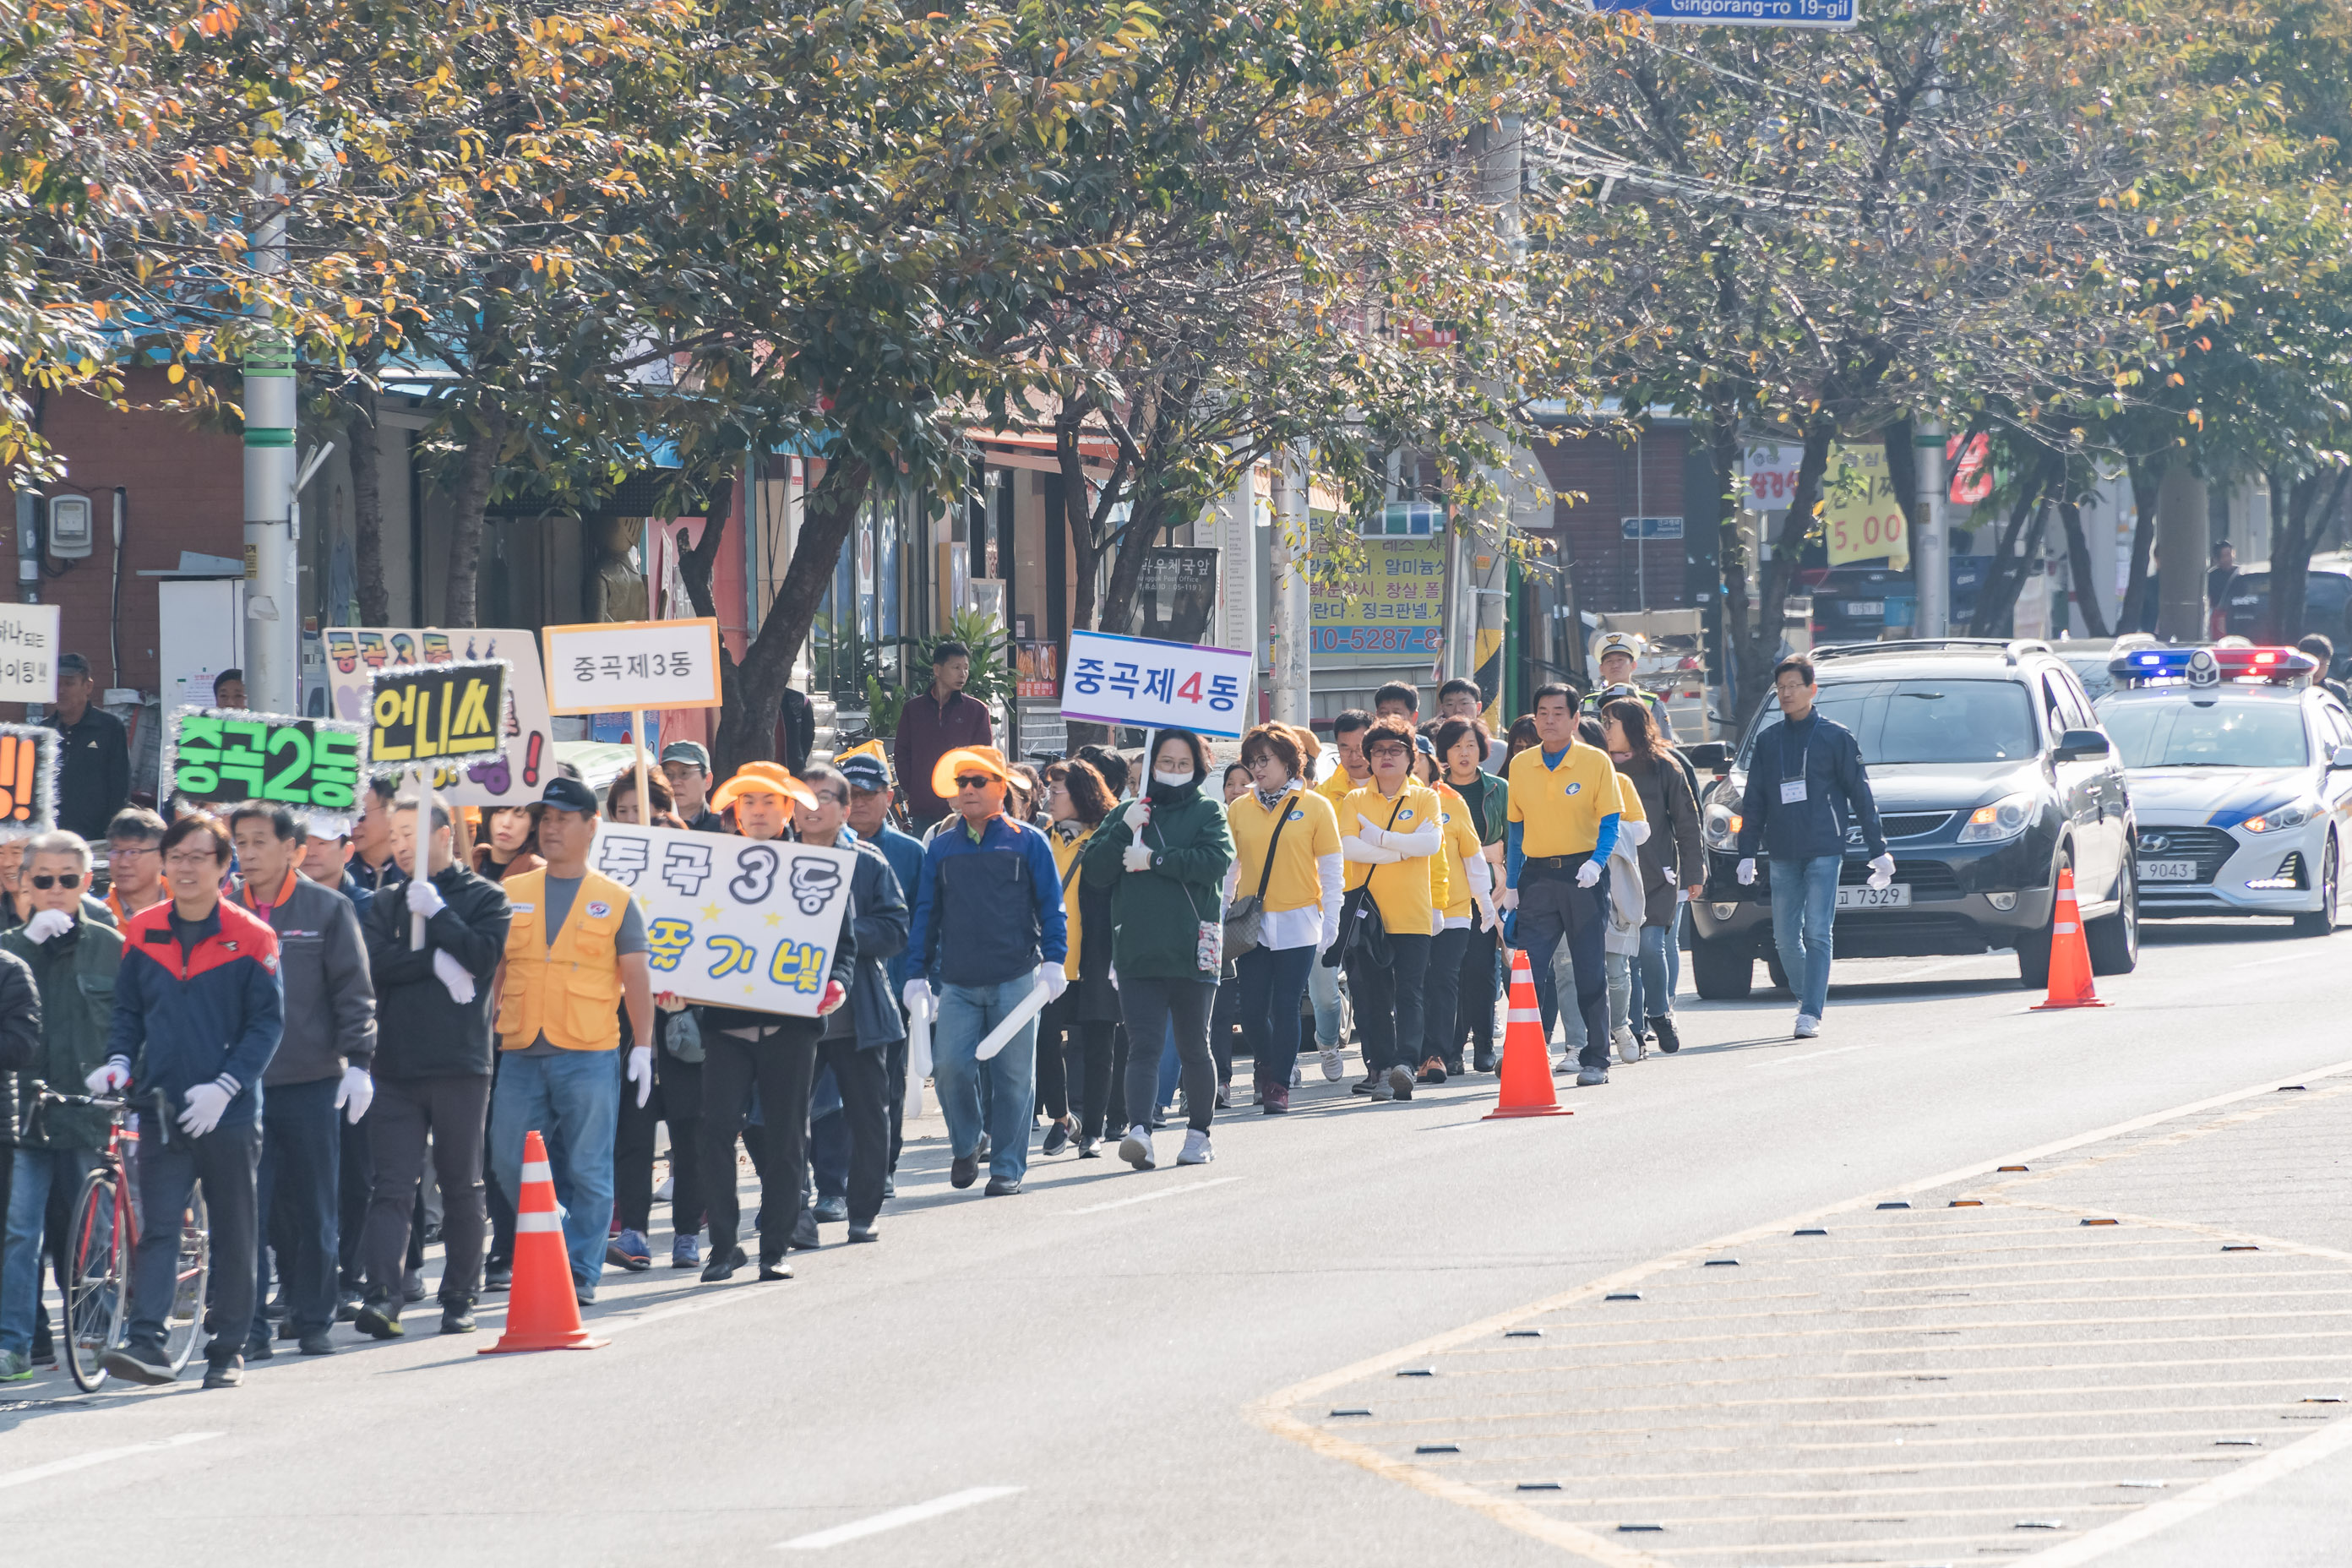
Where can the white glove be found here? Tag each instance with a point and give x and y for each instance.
(917, 997)
(452, 974)
(46, 923)
(1137, 858)
(1488, 919)
(424, 898)
(1588, 873)
(1055, 979)
(1882, 870)
(206, 1103)
(1747, 873)
(641, 1072)
(355, 1094)
(1507, 899)
(1375, 837)
(109, 1079)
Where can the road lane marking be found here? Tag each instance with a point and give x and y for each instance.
(914, 1513)
(98, 1456)
(1804, 1057)
(615, 1324)
(1162, 1193)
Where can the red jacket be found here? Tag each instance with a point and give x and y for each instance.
(928, 730)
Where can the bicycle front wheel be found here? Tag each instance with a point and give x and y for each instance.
(98, 1268)
(191, 1272)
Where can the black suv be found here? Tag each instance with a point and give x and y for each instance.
(1991, 775)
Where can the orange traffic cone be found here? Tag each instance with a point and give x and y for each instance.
(542, 1305)
(1527, 1057)
(2070, 956)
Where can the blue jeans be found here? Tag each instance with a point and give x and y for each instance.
(967, 1014)
(1654, 971)
(32, 1174)
(573, 1099)
(1804, 911)
(1323, 986)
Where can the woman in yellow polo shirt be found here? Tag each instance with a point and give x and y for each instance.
(1469, 883)
(1391, 828)
(1076, 1033)
(1286, 853)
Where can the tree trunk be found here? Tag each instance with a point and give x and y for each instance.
(473, 480)
(367, 515)
(1143, 527)
(2292, 540)
(1997, 600)
(1779, 575)
(2133, 613)
(2078, 563)
(1086, 553)
(1731, 545)
(1903, 474)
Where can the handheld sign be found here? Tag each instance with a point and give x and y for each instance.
(514, 774)
(610, 666)
(1158, 685)
(220, 756)
(28, 653)
(744, 923)
(436, 712)
(28, 779)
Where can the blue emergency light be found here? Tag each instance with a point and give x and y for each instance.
(2213, 666)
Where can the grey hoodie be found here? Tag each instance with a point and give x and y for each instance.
(330, 999)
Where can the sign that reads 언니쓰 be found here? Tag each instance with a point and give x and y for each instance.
(610, 667)
(227, 756)
(1158, 685)
(28, 779)
(744, 923)
(423, 713)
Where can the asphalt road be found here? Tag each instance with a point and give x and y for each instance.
(1085, 1372)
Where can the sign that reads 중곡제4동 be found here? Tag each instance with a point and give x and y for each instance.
(227, 756)
(1158, 685)
(739, 921)
(614, 666)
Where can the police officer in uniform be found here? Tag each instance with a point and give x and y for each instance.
(1615, 652)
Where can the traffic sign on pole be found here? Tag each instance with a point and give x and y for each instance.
(1837, 14)
(1653, 528)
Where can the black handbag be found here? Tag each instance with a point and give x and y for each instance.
(1247, 917)
(1362, 933)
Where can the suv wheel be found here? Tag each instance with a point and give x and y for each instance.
(2033, 947)
(2321, 921)
(1724, 969)
(2114, 941)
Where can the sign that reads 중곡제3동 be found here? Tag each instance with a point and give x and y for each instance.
(227, 756)
(744, 923)
(612, 667)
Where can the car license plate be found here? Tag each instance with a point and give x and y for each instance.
(1865, 606)
(2168, 870)
(1894, 896)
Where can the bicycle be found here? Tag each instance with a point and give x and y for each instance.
(102, 1238)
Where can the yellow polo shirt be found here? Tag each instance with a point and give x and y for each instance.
(1559, 809)
(1628, 800)
(1461, 843)
(1405, 891)
(1336, 786)
(1311, 832)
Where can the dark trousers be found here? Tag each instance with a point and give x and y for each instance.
(1441, 998)
(1475, 1000)
(1152, 1005)
(781, 1063)
(1114, 1116)
(676, 1099)
(896, 1053)
(1551, 906)
(224, 1162)
(1223, 1019)
(1271, 981)
(354, 1187)
(297, 1194)
(1388, 1002)
(453, 1109)
(864, 1078)
(1074, 1065)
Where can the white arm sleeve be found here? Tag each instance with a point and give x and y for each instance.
(1482, 876)
(1332, 873)
(1426, 839)
(1364, 854)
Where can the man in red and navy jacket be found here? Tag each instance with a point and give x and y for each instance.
(198, 1007)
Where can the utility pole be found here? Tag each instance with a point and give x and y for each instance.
(272, 643)
(1931, 562)
(1474, 641)
(1293, 699)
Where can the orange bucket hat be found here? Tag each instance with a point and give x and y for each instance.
(987, 758)
(763, 778)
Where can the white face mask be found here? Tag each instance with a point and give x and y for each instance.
(1176, 779)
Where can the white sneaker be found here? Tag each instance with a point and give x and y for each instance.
(1196, 1149)
(1807, 1027)
(1332, 1066)
(1136, 1148)
(1629, 1045)
(1297, 1075)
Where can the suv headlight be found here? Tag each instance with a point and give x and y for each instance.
(2294, 813)
(1722, 827)
(2004, 818)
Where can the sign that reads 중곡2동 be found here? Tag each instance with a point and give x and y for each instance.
(227, 756)
(744, 923)
(1158, 685)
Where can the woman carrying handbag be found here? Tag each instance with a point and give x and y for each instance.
(1391, 827)
(1282, 901)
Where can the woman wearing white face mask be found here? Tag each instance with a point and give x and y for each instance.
(1164, 860)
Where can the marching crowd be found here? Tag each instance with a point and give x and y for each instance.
(307, 1020)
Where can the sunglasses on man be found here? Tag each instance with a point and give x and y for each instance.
(974, 781)
(62, 879)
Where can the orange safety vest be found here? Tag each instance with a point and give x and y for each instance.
(569, 989)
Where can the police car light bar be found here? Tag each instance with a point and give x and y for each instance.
(2214, 667)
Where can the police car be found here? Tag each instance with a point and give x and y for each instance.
(2240, 776)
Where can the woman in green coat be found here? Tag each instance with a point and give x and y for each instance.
(1164, 859)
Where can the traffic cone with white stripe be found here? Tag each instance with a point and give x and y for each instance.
(2070, 955)
(542, 1305)
(1526, 1089)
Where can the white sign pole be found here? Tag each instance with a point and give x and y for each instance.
(998, 1037)
(421, 860)
(637, 739)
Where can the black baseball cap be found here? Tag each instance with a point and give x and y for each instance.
(569, 795)
(866, 772)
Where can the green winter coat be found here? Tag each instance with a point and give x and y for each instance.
(1158, 911)
(76, 983)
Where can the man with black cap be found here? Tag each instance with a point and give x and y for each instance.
(686, 766)
(869, 818)
(576, 954)
(94, 753)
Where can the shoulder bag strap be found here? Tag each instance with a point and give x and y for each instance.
(1281, 821)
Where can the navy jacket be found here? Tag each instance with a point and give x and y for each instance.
(1836, 791)
(989, 911)
(879, 917)
(905, 853)
(212, 1016)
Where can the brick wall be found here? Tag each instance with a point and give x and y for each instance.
(1608, 569)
